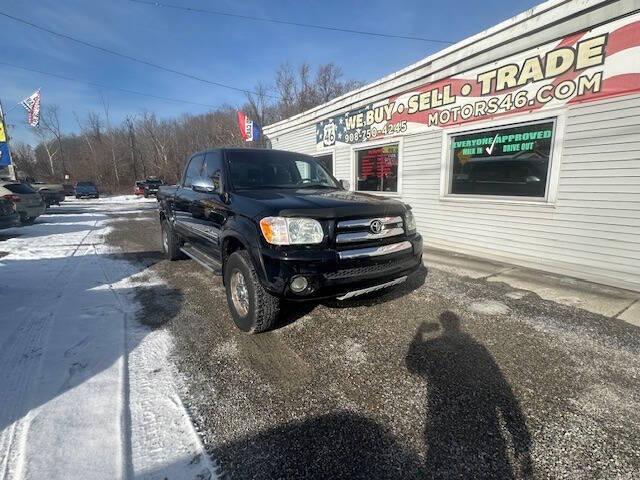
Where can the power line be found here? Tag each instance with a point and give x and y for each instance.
(108, 87)
(128, 57)
(286, 22)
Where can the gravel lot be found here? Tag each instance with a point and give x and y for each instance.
(444, 377)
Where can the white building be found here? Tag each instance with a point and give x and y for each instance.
(520, 144)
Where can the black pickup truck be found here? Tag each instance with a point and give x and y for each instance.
(277, 225)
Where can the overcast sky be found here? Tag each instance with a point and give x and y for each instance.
(234, 51)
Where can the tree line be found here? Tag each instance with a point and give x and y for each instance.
(114, 156)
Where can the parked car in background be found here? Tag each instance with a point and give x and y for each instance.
(87, 190)
(69, 191)
(28, 202)
(151, 186)
(8, 215)
(523, 174)
(138, 188)
(52, 193)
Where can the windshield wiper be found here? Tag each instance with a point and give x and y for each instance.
(264, 187)
(315, 185)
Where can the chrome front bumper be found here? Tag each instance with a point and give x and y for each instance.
(375, 251)
(375, 288)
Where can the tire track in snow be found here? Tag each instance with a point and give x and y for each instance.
(23, 357)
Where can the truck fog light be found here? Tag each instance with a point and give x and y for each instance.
(299, 284)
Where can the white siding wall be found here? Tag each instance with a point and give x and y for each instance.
(303, 141)
(592, 231)
(342, 162)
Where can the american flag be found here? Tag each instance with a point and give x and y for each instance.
(32, 106)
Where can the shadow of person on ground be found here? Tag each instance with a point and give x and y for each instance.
(331, 446)
(475, 428)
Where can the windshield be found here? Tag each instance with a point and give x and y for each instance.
(85, 184)
(19, 188)
(274, 169)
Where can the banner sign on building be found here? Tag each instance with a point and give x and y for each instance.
(588, 65)
(5, 156)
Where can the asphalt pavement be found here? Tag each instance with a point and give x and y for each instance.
(443, 377)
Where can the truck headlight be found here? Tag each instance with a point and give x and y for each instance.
(291, 231)
(410, 221)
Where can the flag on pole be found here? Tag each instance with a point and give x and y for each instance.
(249, 130)
(32, 106)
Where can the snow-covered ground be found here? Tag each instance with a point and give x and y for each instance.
(86, 391)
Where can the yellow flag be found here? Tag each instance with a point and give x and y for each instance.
(3, 137)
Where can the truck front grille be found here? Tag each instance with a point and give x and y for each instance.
(368, 230)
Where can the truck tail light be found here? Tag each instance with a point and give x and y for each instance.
(12, 198)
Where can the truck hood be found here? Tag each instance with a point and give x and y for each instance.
(318, 203)
(54, 187)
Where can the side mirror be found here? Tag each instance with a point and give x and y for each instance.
(345, 184)
(203, 189)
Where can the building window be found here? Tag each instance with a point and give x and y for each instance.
(378, 168)
(506, 161)
(326, 161)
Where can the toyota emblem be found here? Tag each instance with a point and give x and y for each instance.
(376, 226)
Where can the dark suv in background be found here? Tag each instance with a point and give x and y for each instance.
(277, 225)
(150, 186)
(87, 190)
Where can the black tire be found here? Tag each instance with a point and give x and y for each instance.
(77, 197)
(263, 308)
(27, 220)
(171, 242)
(146, 195)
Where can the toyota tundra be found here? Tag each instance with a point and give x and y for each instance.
(277, 225)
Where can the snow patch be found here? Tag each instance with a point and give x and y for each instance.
(86, 391)
(354, 352)
(489, 307)
(516, 295)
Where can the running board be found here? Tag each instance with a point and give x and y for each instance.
(375, 288)
(202, 258)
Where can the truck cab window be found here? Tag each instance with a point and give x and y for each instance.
(193, 171)
(212, 173)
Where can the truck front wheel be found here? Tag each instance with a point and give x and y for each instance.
(253, 309)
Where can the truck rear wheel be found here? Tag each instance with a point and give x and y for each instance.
(170, 242)
(253, 308)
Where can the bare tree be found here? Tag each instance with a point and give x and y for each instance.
(300, 90)
(134, 151)
(114, 155)
(24, 159)
(50, 126)
(111, 138)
